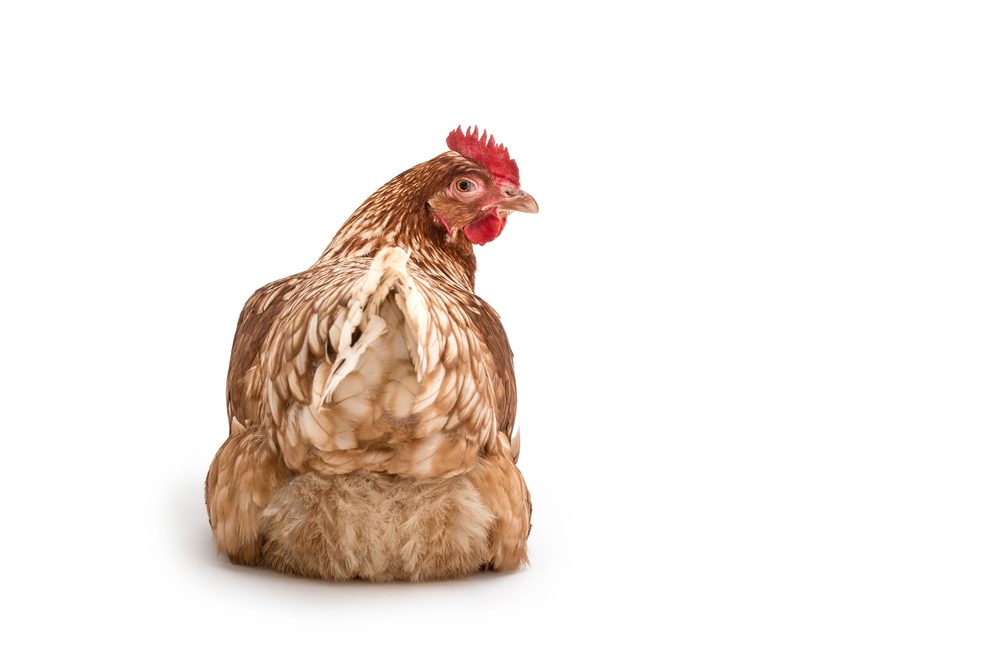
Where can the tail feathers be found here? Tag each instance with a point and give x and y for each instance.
(362, 324)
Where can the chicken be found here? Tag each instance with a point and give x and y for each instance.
(371, 397)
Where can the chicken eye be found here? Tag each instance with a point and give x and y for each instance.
(465, 185)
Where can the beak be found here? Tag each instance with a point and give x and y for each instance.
(518, 200)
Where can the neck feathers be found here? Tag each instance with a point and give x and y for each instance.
(397, 214)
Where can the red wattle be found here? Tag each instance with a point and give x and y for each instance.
(483, 231)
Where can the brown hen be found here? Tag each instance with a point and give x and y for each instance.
(372, 398)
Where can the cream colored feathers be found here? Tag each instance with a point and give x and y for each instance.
(375, 388)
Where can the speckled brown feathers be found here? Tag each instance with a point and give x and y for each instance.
(371, 404)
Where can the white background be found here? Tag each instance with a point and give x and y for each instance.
(756, 322)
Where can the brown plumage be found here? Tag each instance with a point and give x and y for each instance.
(371, 397)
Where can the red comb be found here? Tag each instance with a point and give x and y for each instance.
(488, 153)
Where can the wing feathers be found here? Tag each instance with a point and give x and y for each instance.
(371, 364)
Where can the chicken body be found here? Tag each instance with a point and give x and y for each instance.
(371, 402)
